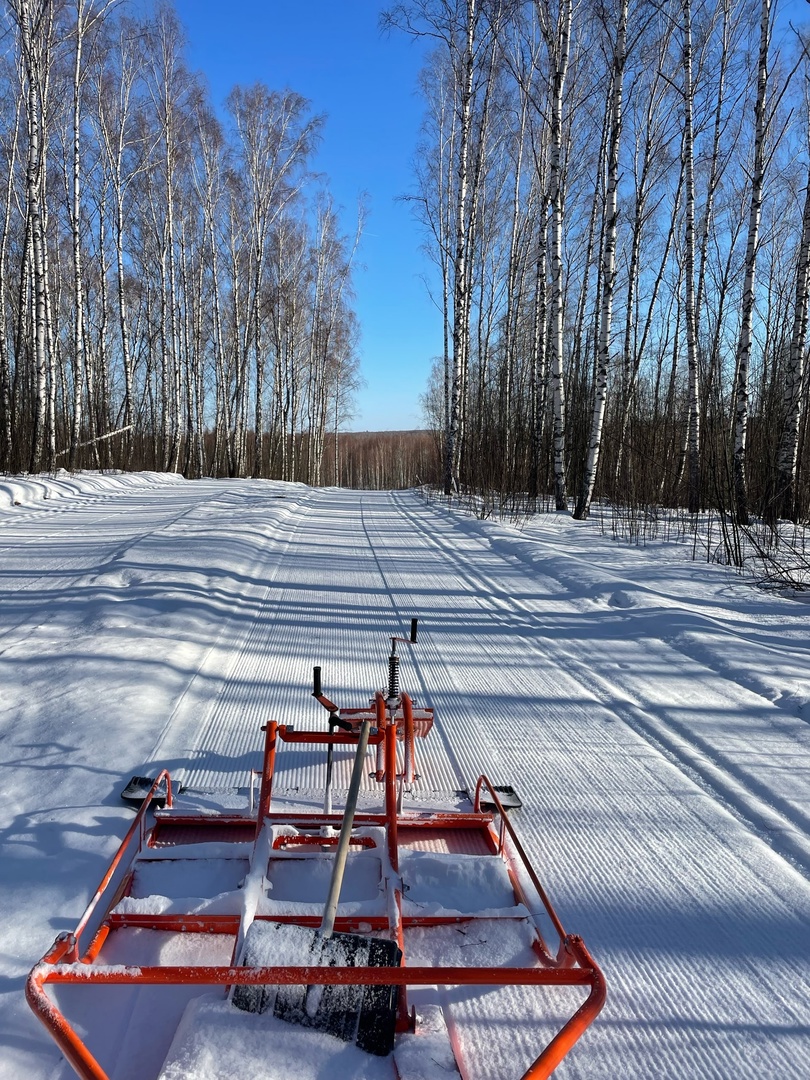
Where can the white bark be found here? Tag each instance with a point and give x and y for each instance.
(88, 16)
(558, 39)
(746, 314)
(787, 459)
(32, 21)
(608, 266)
(461, 296)
(6, 406)
(688, 158)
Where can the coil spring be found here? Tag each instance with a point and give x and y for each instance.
(393, 676)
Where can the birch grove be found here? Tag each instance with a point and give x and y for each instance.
(614, 196)
(147, 321)
(648, 319)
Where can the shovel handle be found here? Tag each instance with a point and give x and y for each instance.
(330, 909)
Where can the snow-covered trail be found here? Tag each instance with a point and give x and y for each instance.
(650, 713)
(605, 727)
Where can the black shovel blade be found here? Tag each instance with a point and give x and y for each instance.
(139, 787)
(365, 1015)
(378, 1012)
(508, 797)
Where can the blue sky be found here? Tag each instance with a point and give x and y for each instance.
(333, 53)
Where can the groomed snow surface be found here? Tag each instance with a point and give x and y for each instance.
(652, 713)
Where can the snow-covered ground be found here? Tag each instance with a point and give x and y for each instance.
(652, 713)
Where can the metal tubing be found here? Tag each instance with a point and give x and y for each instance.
(229, 924)
(573, 967)
(565, 1038)
(330, 706)
(327, 793)
(335, 882)
(409, 770)
(381, 713)
(62, 1033)
(137, 826)
(507, 824)
(271, 730)
(390, 773)
(211, 975)
(87, 1067)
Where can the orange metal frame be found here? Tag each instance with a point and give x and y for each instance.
(411, 723)
(570, 964)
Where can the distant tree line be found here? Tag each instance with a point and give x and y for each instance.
(383, 460)
(616, 194)
(175, 288)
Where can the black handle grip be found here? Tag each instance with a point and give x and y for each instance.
(316, 682)
(413, 630)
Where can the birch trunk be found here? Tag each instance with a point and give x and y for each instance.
(114, 112)
(787, 457)
(655, 136)
(79, 352)
(35, 211)
(461, 296)
(558, 44)
(6, 403)
(515, 272)
(538, 374)
(608, 266)
(746, 314)
(688, 153)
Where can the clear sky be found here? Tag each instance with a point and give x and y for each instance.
(333, 53)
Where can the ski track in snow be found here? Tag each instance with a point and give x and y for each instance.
(674, 720)
(588, 736)
(651, 715)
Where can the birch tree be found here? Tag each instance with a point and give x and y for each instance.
(608, 262)
(276, 138)
(124, 141)
(690, 307)
(10, 159)
(654, 135)
(33, 21)
(88, 16)
(330, 338)
(467, 32)
(433, 201)
(556, 29)
(464, 55)
(785, 501)
(208, 169)
(747, 307)
(170, 87)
